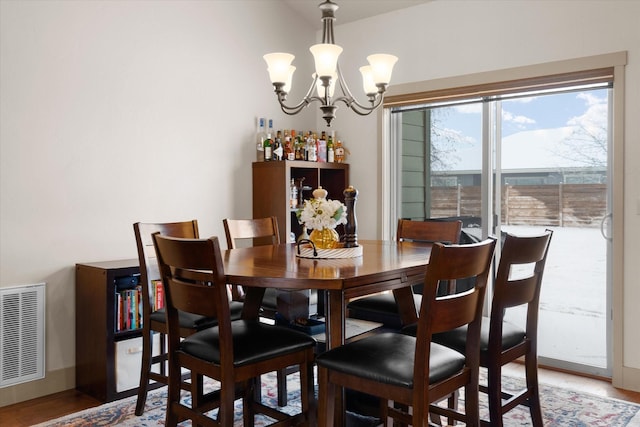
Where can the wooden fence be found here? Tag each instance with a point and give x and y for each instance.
(564, 205)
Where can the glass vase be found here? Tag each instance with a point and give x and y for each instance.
(327, 238)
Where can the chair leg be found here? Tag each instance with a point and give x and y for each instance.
(248, 398)
(257, 389)
(226, 410)
(175, 385)
(531, 370)
(494, 394)
(145, 368)
(326, 406)
(281, 375)
(307, 383)
(472, 406)
(452, 402)
(197, 390)
(384, 411)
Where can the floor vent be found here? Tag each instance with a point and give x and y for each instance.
(21, 334)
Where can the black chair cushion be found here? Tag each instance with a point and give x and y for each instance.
(195, 321)
(388, 358)
(381, 308)
(512, 335)
(253, 341)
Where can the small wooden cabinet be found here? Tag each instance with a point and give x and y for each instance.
(271, 188)
(107, 362)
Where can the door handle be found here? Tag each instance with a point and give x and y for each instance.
(603, 228)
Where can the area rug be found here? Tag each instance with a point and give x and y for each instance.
(561, 408)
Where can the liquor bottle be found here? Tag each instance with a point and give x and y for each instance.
(339, 152)
(268, 149)
(300, 146)
(321, 143)
(289, 140)
(312, 148)
(278, 150)
(330, 151)
(261, 134)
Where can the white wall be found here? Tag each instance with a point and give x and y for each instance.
(114, 112)
(455, 38)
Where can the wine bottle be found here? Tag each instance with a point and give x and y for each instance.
(268, 153)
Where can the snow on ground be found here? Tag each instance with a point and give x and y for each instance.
(572, 322)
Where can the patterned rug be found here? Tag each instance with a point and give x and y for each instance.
(561, 408)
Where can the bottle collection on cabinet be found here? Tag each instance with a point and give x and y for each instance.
(288, 144)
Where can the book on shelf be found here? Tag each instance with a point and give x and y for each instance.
(128, 309)
(158, 295)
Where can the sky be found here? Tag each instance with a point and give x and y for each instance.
(538, 131)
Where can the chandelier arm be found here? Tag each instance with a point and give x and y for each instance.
(351, 100)
(358, 108)
(306, 100)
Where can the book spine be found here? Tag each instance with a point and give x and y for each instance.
(160, 295)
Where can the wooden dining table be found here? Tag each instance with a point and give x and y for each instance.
(384, 265)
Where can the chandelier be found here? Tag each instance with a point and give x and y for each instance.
(375, 76)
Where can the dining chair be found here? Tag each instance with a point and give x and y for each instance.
(382, 307)
(235, 352)
(411, 371)
(517, 284)
(153, 318)
(256, 232)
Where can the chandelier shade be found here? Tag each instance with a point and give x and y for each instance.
(368, 84)
(328, 77)
(279, 66)
(325, 56)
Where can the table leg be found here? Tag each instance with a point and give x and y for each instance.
(406, 305)
(252, 303)
(335, 337)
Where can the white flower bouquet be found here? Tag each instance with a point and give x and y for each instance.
(319, 213)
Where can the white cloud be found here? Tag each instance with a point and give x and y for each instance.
(520, 120)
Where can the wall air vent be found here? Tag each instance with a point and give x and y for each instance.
(22, 312)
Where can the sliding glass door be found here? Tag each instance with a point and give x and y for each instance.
(522, 163)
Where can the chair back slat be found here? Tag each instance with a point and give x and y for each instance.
(261, 231)
(455, 310)
(519, 292)
(192, 297)
(429, 231)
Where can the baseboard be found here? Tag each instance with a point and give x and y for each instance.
(629, 379)
(54, 382)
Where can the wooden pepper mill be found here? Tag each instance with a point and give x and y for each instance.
(350, 235)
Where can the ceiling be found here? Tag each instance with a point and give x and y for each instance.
(349, 10)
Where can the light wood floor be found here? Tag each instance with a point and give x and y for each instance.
(57, 405)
